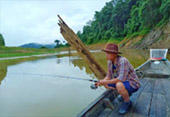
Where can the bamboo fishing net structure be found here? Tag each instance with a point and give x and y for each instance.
(77, 44)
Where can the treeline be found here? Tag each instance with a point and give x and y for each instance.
(125, 18)
(2, 42)
(60, 44)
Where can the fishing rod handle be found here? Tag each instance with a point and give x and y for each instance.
(93, 86)
(93, 80)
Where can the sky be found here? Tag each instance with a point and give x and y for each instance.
(27, 21)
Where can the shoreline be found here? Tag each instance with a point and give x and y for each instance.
(18, 57)
(43, 55)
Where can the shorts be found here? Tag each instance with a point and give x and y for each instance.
(127, 85)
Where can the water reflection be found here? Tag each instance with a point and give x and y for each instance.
(5, 63)
(3, 72)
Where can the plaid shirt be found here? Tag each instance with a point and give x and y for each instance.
(123, 71)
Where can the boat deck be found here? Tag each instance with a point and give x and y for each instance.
(152, 99)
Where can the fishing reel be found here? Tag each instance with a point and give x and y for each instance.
(93, 86)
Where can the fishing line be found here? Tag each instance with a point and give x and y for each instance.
(59, 76)
(93, 86)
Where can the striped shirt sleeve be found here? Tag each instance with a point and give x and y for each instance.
(123, 69)
(109, 69)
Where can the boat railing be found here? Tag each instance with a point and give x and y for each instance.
(95, 108)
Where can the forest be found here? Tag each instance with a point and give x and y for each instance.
(120, 19)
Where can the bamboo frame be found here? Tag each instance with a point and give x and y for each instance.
(77, 44)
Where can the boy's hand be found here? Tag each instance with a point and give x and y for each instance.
(100, 82)
(97, 83)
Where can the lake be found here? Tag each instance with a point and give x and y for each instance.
(42, 87)
(29, 88)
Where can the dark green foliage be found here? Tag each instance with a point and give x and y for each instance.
(43, 47)
(2, 42)
(165, 11)
(57, 43)
(125, 18)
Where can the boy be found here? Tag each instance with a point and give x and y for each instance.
(120, 76)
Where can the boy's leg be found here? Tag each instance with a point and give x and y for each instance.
(122, 91)
(129, 88)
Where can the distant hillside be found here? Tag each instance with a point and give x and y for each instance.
(36, 45)
(156, 38)
(133, 23)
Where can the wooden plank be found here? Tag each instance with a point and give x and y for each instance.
(166, 88)
(158, 89)
(143, 83)
(158, 106)
(116, 104)
(108, 103)
(158, 103)
(150, 86)
(105, 113)
(114, 112)
(136, 95)
(77, 44)
(94, 112)
(142, 105)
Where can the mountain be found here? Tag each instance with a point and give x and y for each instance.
(37, 45)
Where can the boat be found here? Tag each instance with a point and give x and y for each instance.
(152, 98)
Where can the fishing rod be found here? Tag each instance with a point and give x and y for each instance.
(93, 86)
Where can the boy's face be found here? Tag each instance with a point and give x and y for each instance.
(111, 56)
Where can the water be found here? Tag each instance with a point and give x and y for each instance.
(27, 88)
(22, 93)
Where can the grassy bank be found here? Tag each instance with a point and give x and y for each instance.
(97, 46)
(17, 51)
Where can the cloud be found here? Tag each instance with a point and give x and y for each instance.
(25, 21)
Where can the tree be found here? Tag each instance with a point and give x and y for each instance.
(2, 42)
(164, 10)
(57, 42)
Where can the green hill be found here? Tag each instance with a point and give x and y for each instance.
(129, 23)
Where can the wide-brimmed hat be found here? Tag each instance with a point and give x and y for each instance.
(113, 48)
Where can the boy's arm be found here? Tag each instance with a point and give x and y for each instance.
(106, 78)
(105, 82)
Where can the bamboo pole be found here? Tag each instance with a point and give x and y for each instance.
(77, 44)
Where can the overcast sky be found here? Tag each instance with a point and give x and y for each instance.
(25, 21)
